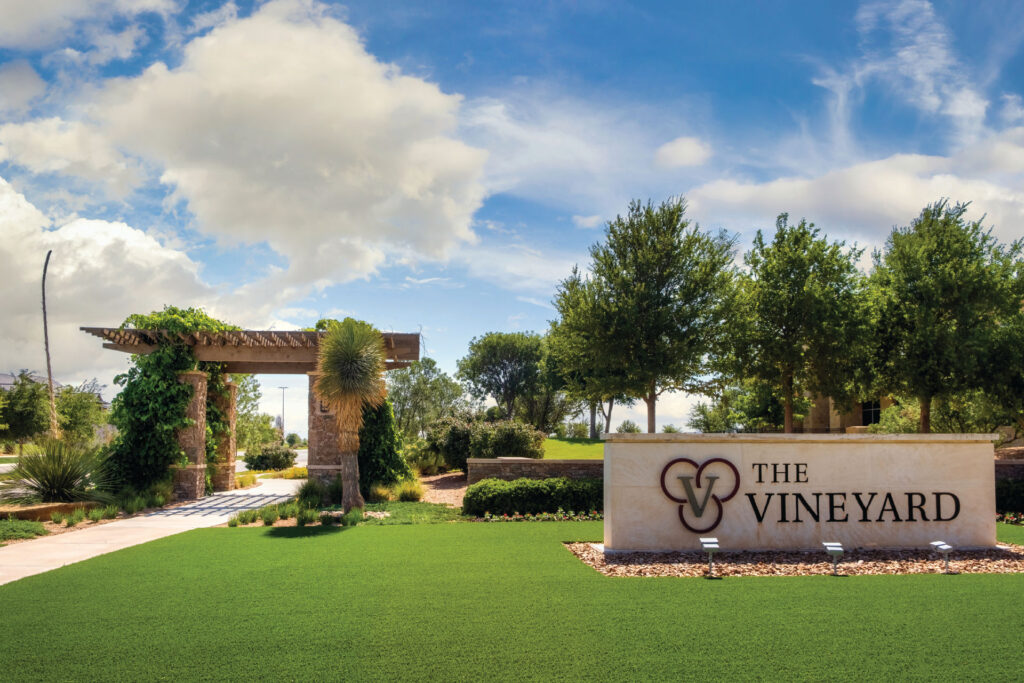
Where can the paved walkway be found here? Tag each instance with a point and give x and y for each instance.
(49, 552)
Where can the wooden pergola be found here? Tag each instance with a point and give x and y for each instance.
(249, 352)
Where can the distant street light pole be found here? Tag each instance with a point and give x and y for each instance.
(282, 411)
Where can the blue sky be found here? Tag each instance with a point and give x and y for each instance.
(438, 167)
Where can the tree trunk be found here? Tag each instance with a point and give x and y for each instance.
(787, 387)
(608, 417)
(926, 415)
(651, 400)
(54, 427)
(350, 495)
(593, 420)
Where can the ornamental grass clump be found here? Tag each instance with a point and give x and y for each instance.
(409, 490)
(351, 367)
(305, 516)
(59, 473)
(269, 515)
(311, 494)
(75, 517)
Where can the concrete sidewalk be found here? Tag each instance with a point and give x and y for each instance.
(49, 552)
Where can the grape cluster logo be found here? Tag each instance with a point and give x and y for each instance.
(698, 483)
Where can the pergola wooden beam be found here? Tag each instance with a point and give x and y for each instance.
(256, 351)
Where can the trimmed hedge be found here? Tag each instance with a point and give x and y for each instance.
(455, 440)
(271, 456)
(1009, 495)
(531, 496)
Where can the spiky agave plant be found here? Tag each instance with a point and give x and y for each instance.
(60, 473)
(351, 367)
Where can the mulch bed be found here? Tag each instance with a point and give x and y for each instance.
(1004, 559)
(448, 488)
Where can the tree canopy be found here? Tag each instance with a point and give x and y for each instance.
(801, 322)
(503, 365)
(421, 394)
(652, 314)
(947, 299)
(27, 412)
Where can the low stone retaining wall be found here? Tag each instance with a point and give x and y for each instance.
(41, 512)
(528, 468)
(1010, 469)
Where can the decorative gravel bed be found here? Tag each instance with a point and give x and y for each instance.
(1006, 558)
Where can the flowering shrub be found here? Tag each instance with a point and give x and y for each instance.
(559, 516)
(1010, 517)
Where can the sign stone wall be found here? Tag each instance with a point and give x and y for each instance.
(795, 491)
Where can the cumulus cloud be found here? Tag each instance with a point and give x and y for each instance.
(68, 148)
(19, 85)
(100, 272)
(31, 24)
(682, 152)
(864, 201)
(516, 266)
(280, 127)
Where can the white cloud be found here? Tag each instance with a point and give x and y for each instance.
(69, 148)
(587, 221)
(682, 152)
(864, 201)
(280, 127)
(35, 24)
(536, 302)
(19, 85)
(1013, 109)
(100, 272)
(516, 267)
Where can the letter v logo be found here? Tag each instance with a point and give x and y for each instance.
(691, 497)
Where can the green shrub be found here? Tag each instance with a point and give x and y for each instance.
(378, 494)
(269, 514)
(669, 429)
(422, 458)
(326, 518)
(110, 512)
(60, 473)
(244, 480)
(288, 510)
(75, 517)
(628, 427)
(380, 448)
(95, 515)
(233, 520)
(11, 529)
(577, 430)
(449, 438)
(305, 516)
(57, 517)
(409, 490)
(131, 504)
(271, 456)
(1010, 495)
(506, 438)
(335, 490)
(531, 496)
(312, 494)
(248, 516)
(352, 517)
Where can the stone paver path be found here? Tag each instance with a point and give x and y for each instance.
(19, 560)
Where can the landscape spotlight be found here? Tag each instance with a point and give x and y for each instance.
(709, 545)
(836, 551)
(944, 549)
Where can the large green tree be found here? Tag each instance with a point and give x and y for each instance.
(947, 297)
(252, 428)
(801, 318)
(503, 365)
(591, 368)
(421, 394)
(80, 412)
(656, 303)
(27, 412)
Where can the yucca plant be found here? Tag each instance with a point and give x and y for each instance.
(60, 473)
(351, 367)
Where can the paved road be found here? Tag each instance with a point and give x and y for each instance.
(50, 552)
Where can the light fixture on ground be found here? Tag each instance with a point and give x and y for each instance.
(943, 549)
(709, 545)
(835, 550)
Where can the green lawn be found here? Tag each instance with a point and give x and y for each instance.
(470, 602)
(573, 449)
(8, 459)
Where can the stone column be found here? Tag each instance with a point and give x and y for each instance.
(224, 470)
(190, 480)
(324, 457)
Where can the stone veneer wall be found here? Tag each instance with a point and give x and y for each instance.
(224, 470)
(1010, 469)
(324, 456)
(518, 468)
(190, 481)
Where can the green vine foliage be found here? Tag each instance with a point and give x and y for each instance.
(151, 406)
(380, 449)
